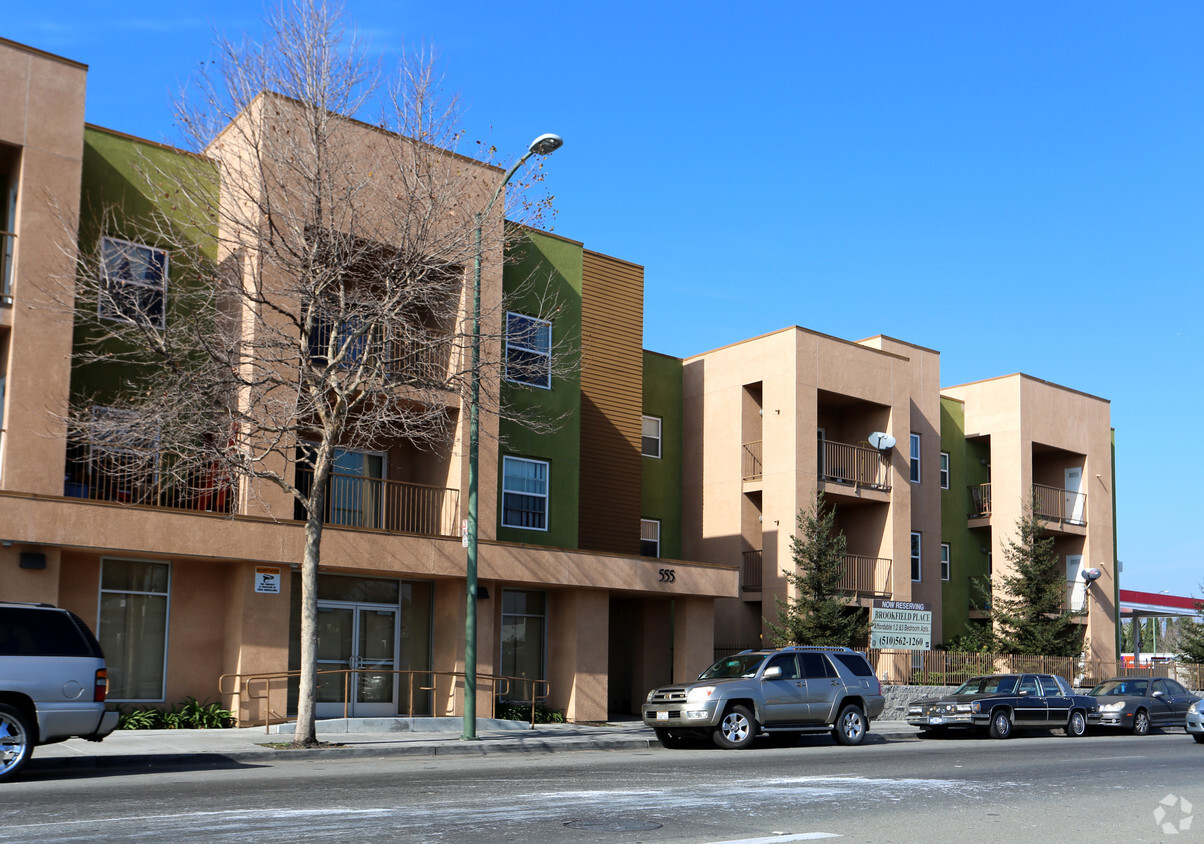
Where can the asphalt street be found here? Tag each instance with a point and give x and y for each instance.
(1101, 788)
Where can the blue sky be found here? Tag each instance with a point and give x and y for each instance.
(1017, 185)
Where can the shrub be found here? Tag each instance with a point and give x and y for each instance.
(517, 710)
(189, 715)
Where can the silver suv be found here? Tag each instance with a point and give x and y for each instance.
(791, 690)
(52, 682)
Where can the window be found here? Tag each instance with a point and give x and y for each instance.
(524, 493)
(650, 538)
(133, 282)
(524, 620)
(133, 626)
(915, 557)
(915, 458)
(651, 446)
(944, 470)
(944, 561)
(528, 350)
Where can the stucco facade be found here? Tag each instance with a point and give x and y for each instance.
(215, 593)
(771, 421)
(1029, 438)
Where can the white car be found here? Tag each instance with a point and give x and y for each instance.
(1195, 721)
(53, 682)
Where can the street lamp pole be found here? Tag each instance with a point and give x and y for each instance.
(543, 145)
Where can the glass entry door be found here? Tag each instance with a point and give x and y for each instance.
(357, 636)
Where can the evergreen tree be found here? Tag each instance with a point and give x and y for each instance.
(1191, 636)
(1029, 612)
(818, 613)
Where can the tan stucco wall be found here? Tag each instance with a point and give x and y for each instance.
(42, 114)
(1024, 418)
(807, 381)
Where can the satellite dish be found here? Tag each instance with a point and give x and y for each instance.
(1092, 574)
(881, 441)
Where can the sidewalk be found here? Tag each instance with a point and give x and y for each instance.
(356, 737)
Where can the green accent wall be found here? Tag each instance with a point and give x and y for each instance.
(539, 267)
(660, 489)
(133, 189)
(968, 466)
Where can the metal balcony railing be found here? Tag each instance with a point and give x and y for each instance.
(394, 506)
(750, 571)
(1061, 505)
(154, 480)
(8, 243)
(980, 501)
(1053, 503)
(854, 464)
(751, 467)
(866, 575)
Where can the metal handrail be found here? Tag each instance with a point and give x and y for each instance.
(501, 686)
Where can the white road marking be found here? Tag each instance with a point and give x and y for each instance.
(774, 839)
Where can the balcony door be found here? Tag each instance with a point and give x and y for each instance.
(1075, 500)
(357, 636)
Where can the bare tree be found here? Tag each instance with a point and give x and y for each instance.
(317, 295)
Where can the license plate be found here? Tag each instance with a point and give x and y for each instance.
(662, 716)
(936, 719)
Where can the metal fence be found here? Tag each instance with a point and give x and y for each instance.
(951, 668)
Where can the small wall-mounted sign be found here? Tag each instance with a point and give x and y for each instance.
(267, 580)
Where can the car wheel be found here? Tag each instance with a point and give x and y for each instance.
(1199, 737)
(1077, 725)
(1001, 724)
(672, 739)
(16, 741)
(737, 729)
(1141, 723)
(850, 727)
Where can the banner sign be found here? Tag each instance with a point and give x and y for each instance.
(905, 625)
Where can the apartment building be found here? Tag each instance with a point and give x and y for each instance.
(772, 421)
(1005, 443)
(184, 589)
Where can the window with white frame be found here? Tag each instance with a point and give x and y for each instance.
(944, 470)
(524, 633)
(528, 350)
(915, 458)
(133, 282)
(944, 561)
(524, 493)
(651, 441)
(133, 627)
(915, 557)
(650, 538)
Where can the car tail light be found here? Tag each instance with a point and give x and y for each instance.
(102, 686)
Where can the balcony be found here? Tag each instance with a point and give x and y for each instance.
(750, 572)
(8, 243)
(859, 465)
(393, 506)
(751, 467)
(866, 576)
(1061, 505)
(1064, 506)
(152, 481)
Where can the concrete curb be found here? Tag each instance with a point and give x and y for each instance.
(385, 746)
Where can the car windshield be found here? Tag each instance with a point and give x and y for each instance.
(1121, 687)
(740, 665)
(987, 686)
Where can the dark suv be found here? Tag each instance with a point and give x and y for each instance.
(791, 690)
(52, 682)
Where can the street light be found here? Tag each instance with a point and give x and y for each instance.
(543, 145)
